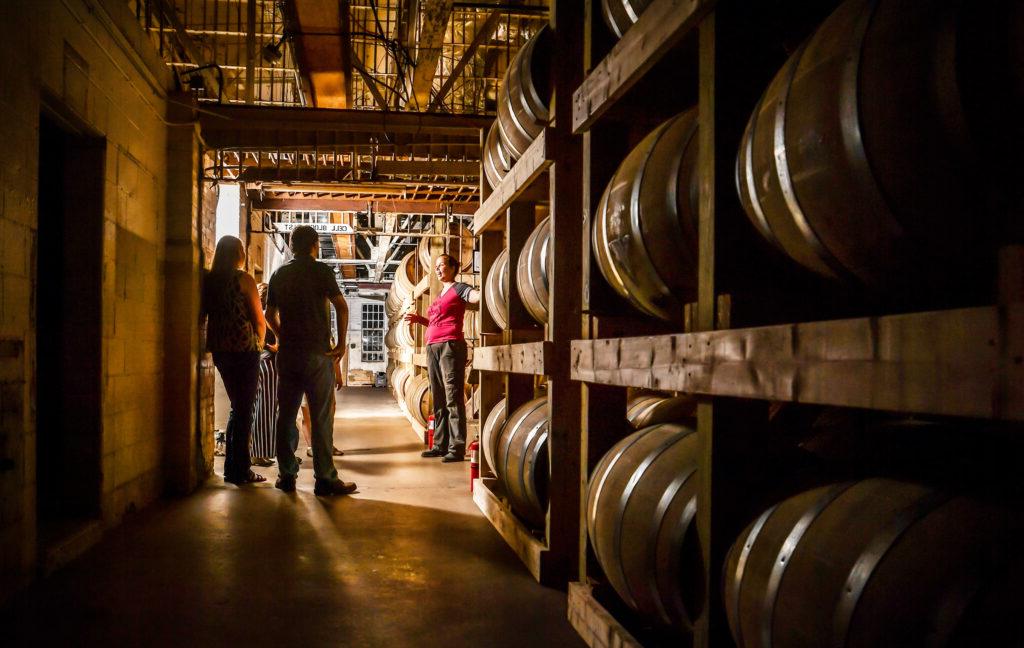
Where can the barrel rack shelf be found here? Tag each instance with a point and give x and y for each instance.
(963, 362)
(408, 356)
(513, 360)
(955, 360)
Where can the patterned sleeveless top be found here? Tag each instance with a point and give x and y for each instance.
(230, 328)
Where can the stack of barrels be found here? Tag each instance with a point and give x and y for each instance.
(523, 98)
(531, 277)
(644, 235)
(859, 162)
(864, 161)
(866, 152)
(871, 562)
(515, 446)
(876, 562)
(400, 334)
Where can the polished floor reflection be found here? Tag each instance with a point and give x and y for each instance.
(406, 561)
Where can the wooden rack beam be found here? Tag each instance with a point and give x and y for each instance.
(529, 549)
(662, 24)
(964, 362)
(525, 358)
(408, 356)
(520, 182)
(593, 622)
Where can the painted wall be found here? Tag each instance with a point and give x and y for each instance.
(93, 60)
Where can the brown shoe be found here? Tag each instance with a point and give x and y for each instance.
(336, 487)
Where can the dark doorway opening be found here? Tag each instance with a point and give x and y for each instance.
(69, 329)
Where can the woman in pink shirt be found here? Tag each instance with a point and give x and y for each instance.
(446, 359)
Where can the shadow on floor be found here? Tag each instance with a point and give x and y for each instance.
(253, 566)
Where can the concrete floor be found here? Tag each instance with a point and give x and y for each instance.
(406, 561)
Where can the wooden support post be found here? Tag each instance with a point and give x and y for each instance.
(565, 317)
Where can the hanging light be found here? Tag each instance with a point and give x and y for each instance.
(272, 52)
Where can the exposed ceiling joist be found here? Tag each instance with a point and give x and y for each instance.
(323, 35)
(189, 47)
(380, 206)
(384, 168)
(484, 33)
(436, 14)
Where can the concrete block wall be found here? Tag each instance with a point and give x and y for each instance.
(91, 59)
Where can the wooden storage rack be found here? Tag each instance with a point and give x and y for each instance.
(952, 362)
(510, 360)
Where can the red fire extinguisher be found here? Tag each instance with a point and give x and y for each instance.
(474, 463)
(428, 434)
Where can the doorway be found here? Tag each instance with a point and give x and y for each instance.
(68, 315)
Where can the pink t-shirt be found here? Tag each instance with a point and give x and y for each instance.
(444, 317)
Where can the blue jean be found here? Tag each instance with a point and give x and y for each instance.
(311, 374)
(240, 371)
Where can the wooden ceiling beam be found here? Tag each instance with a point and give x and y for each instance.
(380, 206)
(436, 14)
(325, 39)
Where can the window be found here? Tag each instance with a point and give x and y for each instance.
(373, 333)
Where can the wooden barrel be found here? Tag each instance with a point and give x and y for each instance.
(641, 519)
(645, 227)
(497, 161)
(532, 271)
(389, 337)
(646, 409)
(858, 161)
(418, 402)
(862, 564)
(490, 432)
(460, 248)
(399, 381)
(392, 303)
(620, 15)
(405, 277)
(470, 325)
(524, 95)
(521, 460)
(496, 289)
(404, 335)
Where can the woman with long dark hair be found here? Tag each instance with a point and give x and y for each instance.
(235, 337)
(446, 359)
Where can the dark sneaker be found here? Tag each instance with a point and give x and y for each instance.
(451, 457)
(336, 487)
(287, 484)
(433, 452)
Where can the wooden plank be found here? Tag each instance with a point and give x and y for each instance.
(528, 169)
(523, 543)
(663, 24)
(526, 358)
(942, 362)
(595, 625)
